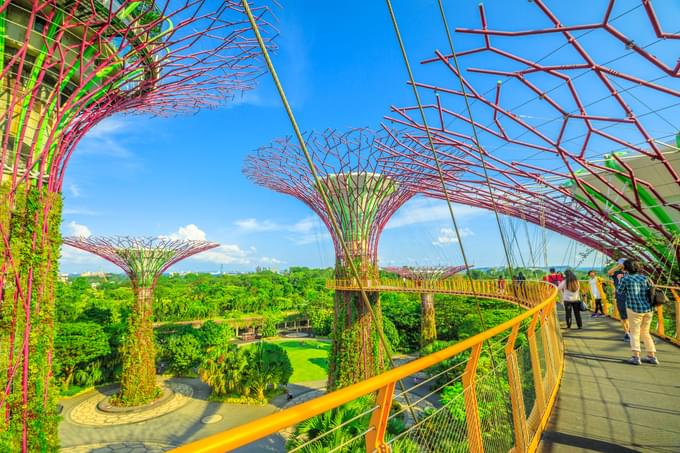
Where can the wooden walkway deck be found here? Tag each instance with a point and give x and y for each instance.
(605, 405)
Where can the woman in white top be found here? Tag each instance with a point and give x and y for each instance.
(571, 297)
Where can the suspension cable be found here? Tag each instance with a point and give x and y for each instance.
(474, 133)
(322, 192)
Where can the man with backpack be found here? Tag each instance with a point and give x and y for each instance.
(553, 277)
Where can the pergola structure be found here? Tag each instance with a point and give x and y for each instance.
(64, 67)
(428, 324)
(361, 201)
(575, 126)
(143, 260)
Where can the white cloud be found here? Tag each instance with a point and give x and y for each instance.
(225, 254)
(254, 225)
(108, 137)
(189, 233)
(75, 229)
(426, 210)
(269, 260)
(447, 236)
(307, 230)
(74, 190)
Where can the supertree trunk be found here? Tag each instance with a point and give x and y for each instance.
(138, 379)
(29, 218)
(428, 326)
(356, 354)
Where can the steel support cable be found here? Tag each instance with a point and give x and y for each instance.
(474, 131)
(441, 178)
(431, 142)
(322, 192)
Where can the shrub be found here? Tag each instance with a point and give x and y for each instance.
(76, 344)
(213, 334)
(183, 352)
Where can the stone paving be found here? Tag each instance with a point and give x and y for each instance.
(86, 413)
(160, 433)
(121, 447)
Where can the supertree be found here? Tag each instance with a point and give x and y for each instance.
(65, 66)
(362, 200)
(420, 275)
(143, 260)
(580, 140)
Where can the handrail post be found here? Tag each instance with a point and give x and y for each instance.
(474, 431)
(603, 296)
(676, 296)
(660, 331)
(536, 364)
(516, 398)
(375, 438)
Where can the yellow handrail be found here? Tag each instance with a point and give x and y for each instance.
(542, 296)
(663, 326)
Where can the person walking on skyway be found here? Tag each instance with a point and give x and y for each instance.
(571, 297)
(595, 288)
(616, 273)
(553, 277)
(634, 290)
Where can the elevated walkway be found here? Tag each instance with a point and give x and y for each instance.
(605, 405)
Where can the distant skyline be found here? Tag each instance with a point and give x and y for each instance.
(182, 176)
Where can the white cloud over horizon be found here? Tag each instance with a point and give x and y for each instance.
(447, 236)
(74, 228)
(427, 210)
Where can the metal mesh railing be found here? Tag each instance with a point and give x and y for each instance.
(492, 392)
(667, 318)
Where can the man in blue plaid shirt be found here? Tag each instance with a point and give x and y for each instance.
(634, 290)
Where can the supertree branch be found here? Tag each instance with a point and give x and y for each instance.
(143, 260)
(361, 200)
(64, 67)
(578, 134)
(425, 273)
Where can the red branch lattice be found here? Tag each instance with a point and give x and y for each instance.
(425, 273)
(362, 198)
(143, 259)
(582, 155)
(64, 67)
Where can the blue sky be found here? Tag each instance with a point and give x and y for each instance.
(341, 68)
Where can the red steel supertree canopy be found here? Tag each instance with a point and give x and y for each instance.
(428, 325)
(362, 200)
(570, 125)
(143, 260)
(65, 66)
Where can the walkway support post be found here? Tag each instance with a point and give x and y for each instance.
(375, 438)
(519, 419)
(536, 363)
(474, 432)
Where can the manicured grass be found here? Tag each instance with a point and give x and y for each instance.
(308, 357)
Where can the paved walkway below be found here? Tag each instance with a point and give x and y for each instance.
(606, 405)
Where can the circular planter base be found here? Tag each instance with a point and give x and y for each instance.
(105, 405)
(96, 411)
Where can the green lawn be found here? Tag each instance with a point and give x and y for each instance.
(308, 357)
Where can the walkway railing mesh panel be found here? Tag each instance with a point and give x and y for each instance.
(492, 392)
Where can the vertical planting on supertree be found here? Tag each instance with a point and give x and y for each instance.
(361, 202)
(143, 260)
(424, 277)
(64, 67)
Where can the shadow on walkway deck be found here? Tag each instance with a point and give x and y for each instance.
(606, 405)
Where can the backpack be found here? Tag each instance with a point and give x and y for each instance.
(554, 279)
(655, 296)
